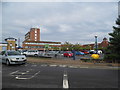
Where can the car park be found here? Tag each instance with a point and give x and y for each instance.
(12, 57)
(68, 54)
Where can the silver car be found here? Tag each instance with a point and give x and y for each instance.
(12, 57)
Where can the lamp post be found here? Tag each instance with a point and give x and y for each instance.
(96, 47)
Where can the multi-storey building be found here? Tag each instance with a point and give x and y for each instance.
(32, 41)
(33, 35)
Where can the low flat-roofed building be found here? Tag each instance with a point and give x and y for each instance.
(3, 46)
(41, 45)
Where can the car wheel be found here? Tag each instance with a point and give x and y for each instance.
(35, 55)
(7, 62)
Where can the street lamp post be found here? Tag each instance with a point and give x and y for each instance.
(96, 47)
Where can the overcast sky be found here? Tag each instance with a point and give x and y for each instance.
(76, 22)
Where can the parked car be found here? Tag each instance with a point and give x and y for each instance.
(31, 53)
(92, 51)
(79, 53)
(51, 53)
(85, 51)
(12, 57)
(60, 53)
(99, 51)
(68, 54)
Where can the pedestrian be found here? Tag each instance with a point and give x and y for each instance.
(73, 51)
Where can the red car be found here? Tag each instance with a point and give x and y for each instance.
(68, 54)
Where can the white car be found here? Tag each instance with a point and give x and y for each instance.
(12, 57)
(31, 53)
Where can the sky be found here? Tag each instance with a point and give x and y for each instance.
(75, 22)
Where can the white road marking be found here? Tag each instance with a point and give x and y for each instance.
(65, 81)
(43, 65)
(72, 67)
(83, 67)
(29, 77)
(62, 65)
(33, 65)
(14, 72)
(26, 65)
(53, 65)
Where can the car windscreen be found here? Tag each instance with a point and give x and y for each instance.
(13, 53)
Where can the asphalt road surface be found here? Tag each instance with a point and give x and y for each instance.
(57, 76)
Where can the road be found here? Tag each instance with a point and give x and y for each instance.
(57, 76)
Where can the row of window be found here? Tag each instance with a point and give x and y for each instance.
(34, 47)
(42, 44)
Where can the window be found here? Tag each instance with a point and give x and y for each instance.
(35, 31)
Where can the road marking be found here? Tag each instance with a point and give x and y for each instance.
(53, 65)
(26, 65)
(18, 77)
(33, 65)
(62, 65)
(43, 65)
(14, 72)
(72, 66)
(83, 67)
(65, 81)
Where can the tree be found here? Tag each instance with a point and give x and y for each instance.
(77, 47)
(114, 48)
(67, 46)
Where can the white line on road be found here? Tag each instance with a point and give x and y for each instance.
(14, 72)
(28, 77)
(53, 65)
(33, 65)
(65, 81)
(72, 66)
(43, 65)
(62, 65)
(83, 67)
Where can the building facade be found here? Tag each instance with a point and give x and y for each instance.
(11, 43)
(101, 45)
(41, 45)
(32, 42)
(3, 46)
(33, 35)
